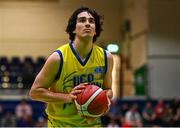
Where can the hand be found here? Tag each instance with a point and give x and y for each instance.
(109, 104)
(76, 90)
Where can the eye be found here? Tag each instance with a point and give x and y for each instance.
(91, 20)
(82, 20)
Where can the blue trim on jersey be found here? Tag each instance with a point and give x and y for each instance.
(77, 56)
(61, 64)
(105, 59)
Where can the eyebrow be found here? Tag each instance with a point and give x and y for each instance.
(85, 18)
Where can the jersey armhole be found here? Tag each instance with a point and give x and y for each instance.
(61, 64)
(105, 61)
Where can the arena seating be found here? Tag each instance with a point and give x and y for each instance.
(19, 73)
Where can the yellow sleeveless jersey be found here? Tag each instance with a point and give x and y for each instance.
(72, 72)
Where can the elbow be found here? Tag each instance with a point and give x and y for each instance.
(36, 93)
(32, 94)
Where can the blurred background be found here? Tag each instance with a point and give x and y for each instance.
(143, 36)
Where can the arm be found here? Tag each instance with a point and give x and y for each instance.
(45, 79)
(107, 82)
(145, 115)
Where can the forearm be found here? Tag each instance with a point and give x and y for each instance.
(44, 95)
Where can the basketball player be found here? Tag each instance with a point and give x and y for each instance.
(79, 61)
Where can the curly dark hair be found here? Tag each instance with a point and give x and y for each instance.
(73, 20)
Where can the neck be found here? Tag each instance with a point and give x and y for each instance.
(82, 47)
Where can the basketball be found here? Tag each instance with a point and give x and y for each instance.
(92, 102)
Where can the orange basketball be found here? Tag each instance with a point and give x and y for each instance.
(92, 102)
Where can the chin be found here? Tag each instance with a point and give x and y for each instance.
(87, 36)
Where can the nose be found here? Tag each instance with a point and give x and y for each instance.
(87, 25)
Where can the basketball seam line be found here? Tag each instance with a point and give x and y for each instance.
(83, 108)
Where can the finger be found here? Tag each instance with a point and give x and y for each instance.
(74, 97)
(75, 92)
(109, 102)
(79, 87)
(85, 84)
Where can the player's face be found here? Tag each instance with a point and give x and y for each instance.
(85, 26)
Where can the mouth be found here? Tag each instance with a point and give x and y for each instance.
(87, 30)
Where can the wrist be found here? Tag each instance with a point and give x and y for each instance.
(109, 94)
(68, 98)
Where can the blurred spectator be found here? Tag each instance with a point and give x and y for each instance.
(174, 105)
(115, 111)
(124, 123)
(113, 123)
(176, 118)
(1, 113)
(25, 120)
(148, 114)
(133, 117)
(159, 109)
(39, 64)
(124, 109)
(23, 108)
(8, 120)
(41, 122)
(167, 116)
(28, 74)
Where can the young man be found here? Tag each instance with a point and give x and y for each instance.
(80, 61)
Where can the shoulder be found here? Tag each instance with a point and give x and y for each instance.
(54, 57)
(109, 55)
(54, 60)
(52, 64)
